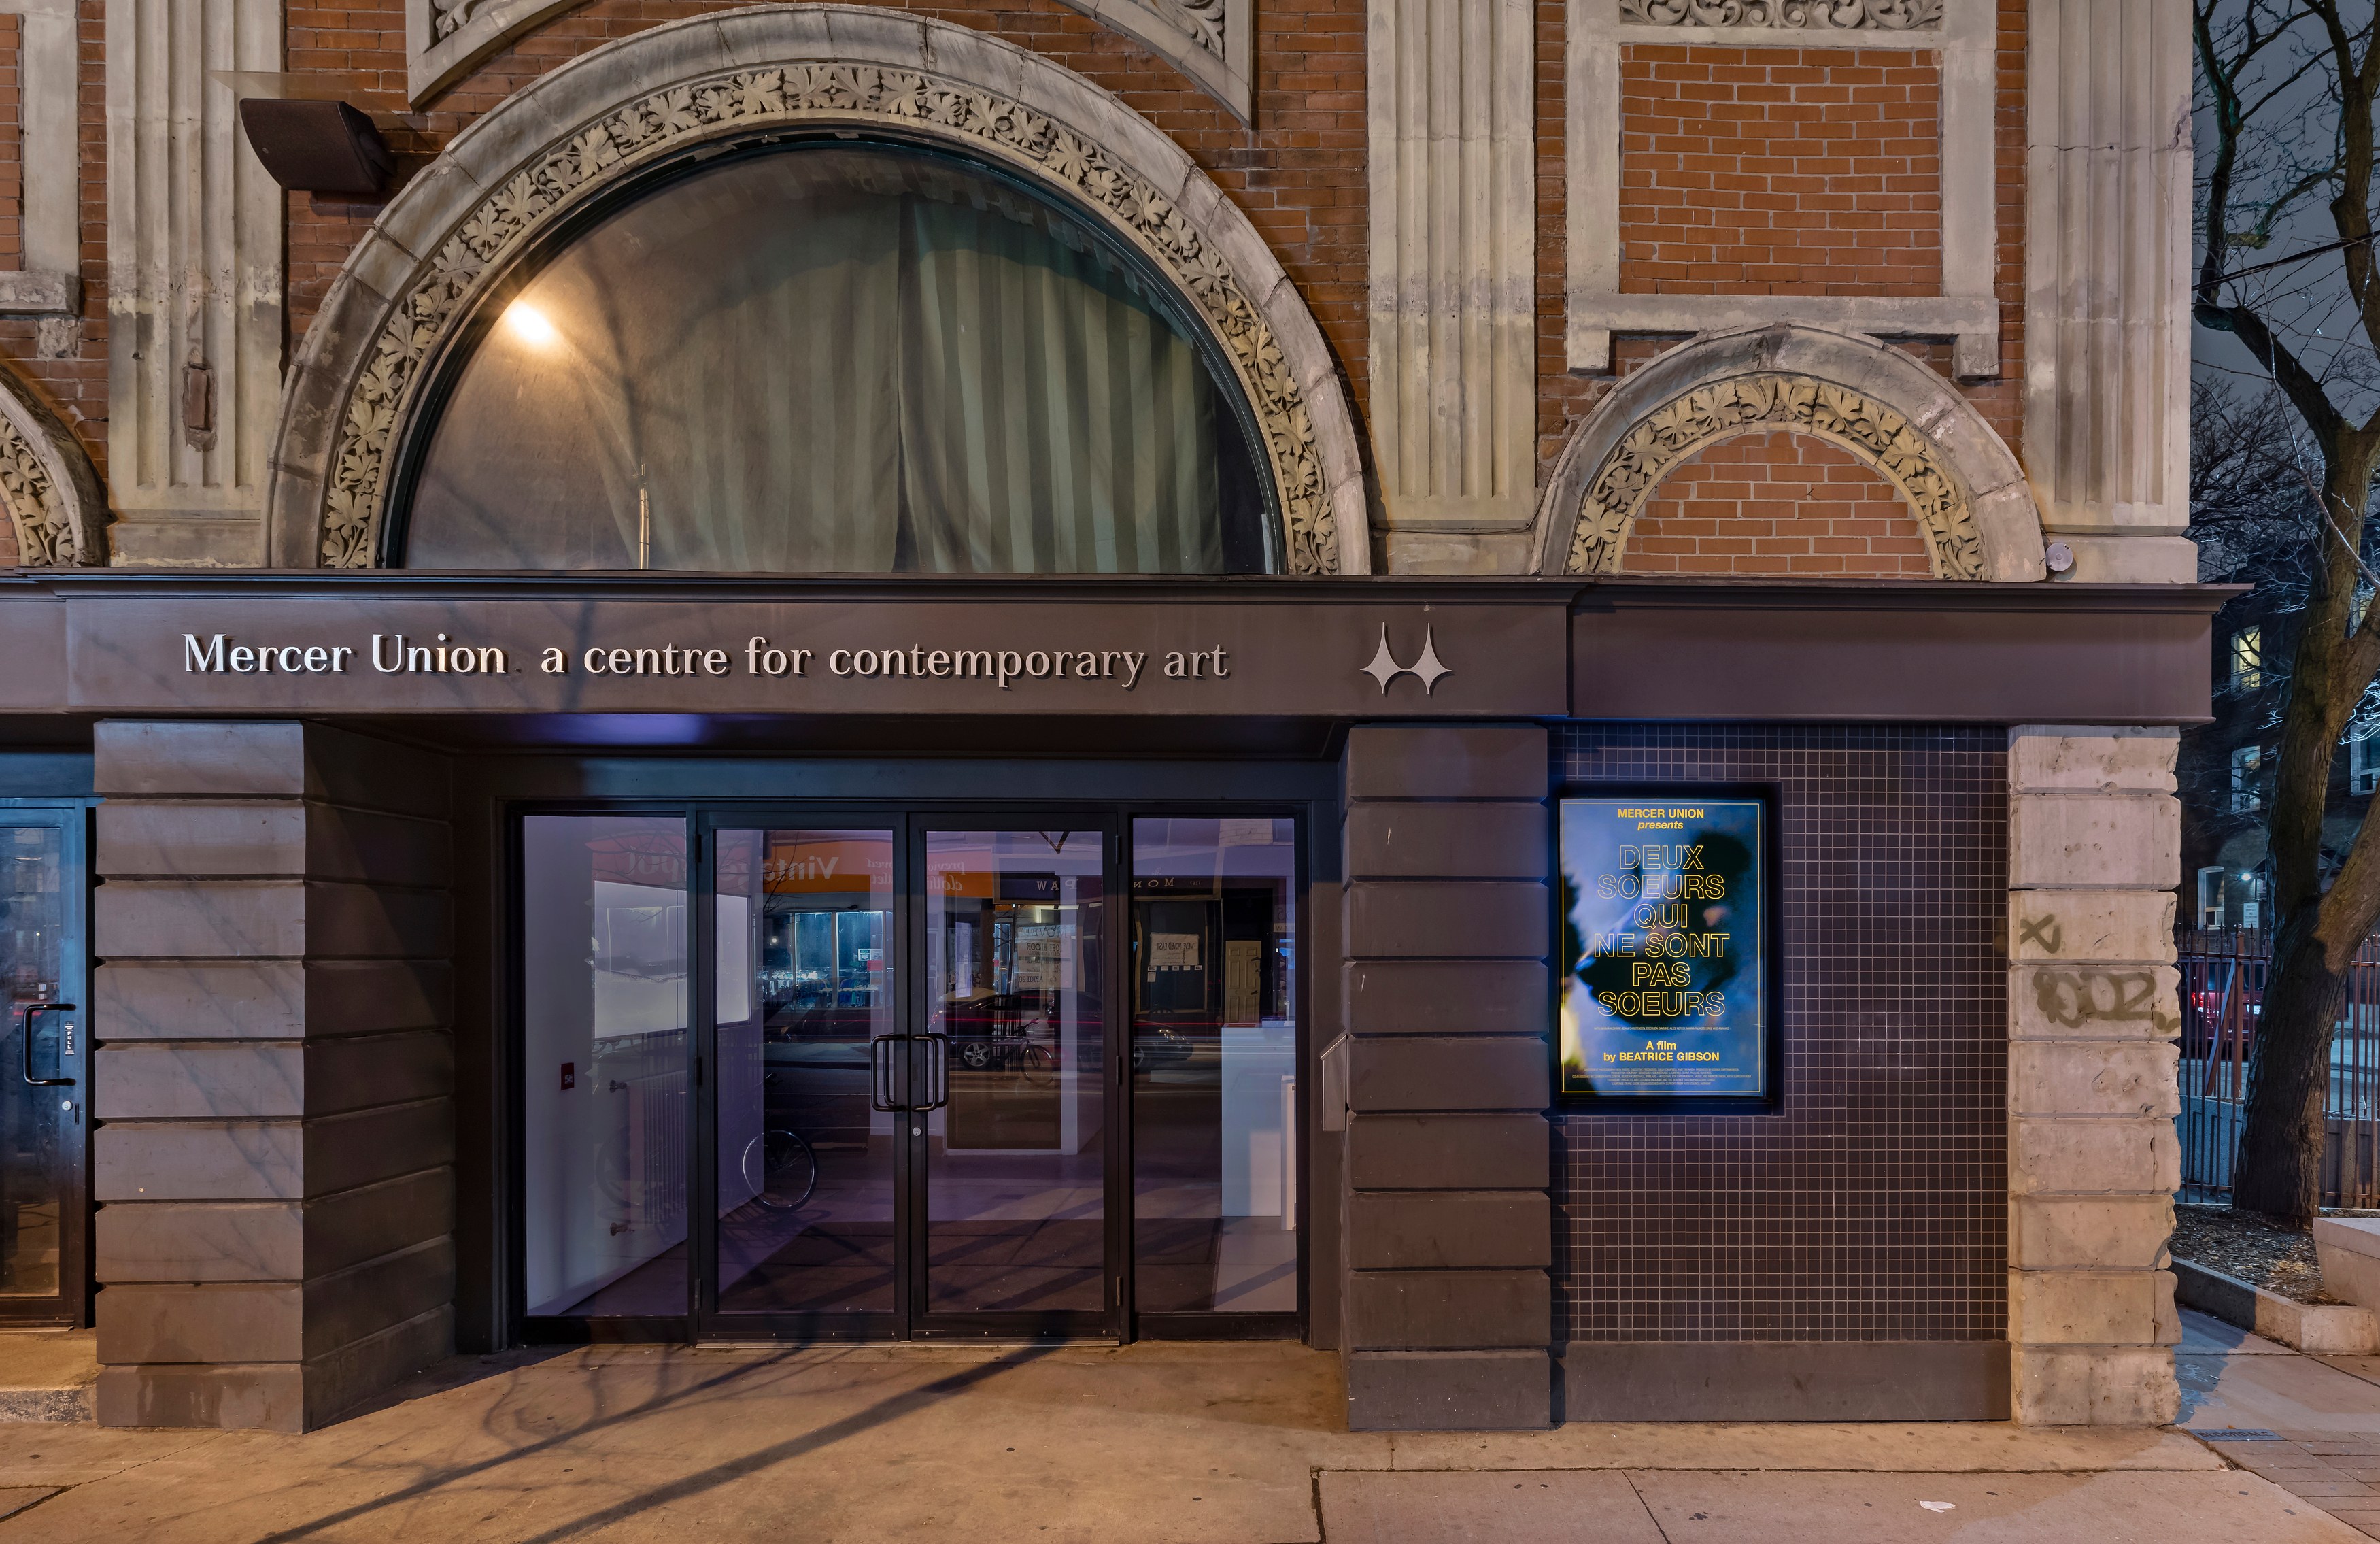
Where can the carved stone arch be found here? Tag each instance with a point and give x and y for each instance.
(559, 144)
(52, 491)
(1957, 476)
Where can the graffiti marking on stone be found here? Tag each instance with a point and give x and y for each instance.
(2072, 999)
(2043, 931)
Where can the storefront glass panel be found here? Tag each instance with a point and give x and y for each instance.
(1214, 1066)
(37, 1059)
(604, 1017)
(894, 1103)
(803, 929)
(1017, 1189)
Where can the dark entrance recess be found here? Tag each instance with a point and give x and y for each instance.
(847, 1072)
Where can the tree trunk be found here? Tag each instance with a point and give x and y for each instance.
(2278, 1171)
(2319, 929)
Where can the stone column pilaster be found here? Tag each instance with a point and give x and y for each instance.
(2106, 305)
(2094, 843)
(1452, 138)
(196, 278)
(1447, 1229)
(274, 1157)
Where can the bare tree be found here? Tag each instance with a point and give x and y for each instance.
(2251, 504)
(2287, 93)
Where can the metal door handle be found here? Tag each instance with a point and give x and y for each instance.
(879, 1072)
(938, 1072)
(32, 1013)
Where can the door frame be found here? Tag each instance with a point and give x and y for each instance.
(908, 824)
(71, 1306)
(907, 818)
(1111, 1320)
(706, 1320)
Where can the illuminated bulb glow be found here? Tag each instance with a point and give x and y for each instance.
(530, 326)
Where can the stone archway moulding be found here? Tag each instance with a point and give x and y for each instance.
(554, 147)
(48, 483)
(1957, 476)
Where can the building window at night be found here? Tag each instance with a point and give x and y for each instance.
(2245, 763)
(2210, 895)
(840, 357)
(2247, 658)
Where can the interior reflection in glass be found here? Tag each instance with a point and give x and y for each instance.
(603, 999)
(1016, 1188)
(1214, 1057)
(837, 358)
(805, 1170)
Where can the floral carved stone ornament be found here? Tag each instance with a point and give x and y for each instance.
(1883, 438)
(1890, 16)
(567, 174)
(47, 537)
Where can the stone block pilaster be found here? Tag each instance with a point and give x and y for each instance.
(2093, 854)
(1449, 1232)
(275, 1077)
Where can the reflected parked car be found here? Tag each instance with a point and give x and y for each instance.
(1159, 1045)
(996, 1028)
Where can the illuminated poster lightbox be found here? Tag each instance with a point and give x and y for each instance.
(1665, 940)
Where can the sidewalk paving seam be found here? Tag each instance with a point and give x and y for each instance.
(1638, 1492)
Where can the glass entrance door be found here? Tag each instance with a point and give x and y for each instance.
(1014, 1152)
(809, 1141)
(43, 1053)
(908, 1109)
(984, 1074)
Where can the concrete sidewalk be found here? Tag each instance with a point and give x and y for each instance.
(1231, 1444)
(2310, 1424)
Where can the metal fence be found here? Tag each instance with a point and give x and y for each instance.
(2222, 995)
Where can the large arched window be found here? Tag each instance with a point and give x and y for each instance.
(837, 356)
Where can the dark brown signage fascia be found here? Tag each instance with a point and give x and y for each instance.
(1316, 650)
(1646, 648)
(1895, 650)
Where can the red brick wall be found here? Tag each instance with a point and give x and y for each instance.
(1778, 171)
(12, 143)
(1299, 176)
(1564, 398)
(1777, 504)
(75, 386)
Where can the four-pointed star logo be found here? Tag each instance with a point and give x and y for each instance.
(1427, 668)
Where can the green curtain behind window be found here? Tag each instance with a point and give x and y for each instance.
(846, 359)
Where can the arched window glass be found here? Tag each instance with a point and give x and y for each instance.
(837, 358)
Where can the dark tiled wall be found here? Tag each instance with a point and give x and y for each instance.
(1872, 1207)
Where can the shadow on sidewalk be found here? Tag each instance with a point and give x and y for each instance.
(454, 1376)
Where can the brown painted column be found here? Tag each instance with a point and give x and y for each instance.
(1449, 1231)
(275, 1072)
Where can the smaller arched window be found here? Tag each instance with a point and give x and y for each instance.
(831, 356)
